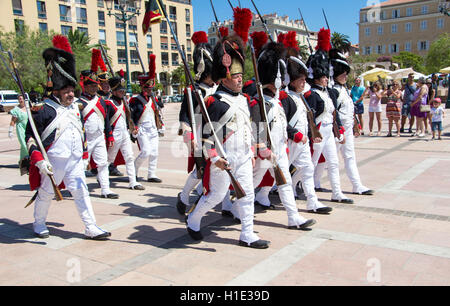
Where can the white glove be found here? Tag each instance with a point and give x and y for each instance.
(10, 132)
(44, 167)
(85, 163)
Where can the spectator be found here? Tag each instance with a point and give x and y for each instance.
(358, 93)
(375, 94)
(409, 90)
(20, 119)
(394, 107)
(432, 92)
(420, 99)
(437, 113)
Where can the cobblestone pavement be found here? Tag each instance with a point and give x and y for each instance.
(399, 236)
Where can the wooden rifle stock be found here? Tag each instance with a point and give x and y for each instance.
(278, 173)
(315, 133)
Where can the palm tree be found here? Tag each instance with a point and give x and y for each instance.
(303, 52)
(341, 42)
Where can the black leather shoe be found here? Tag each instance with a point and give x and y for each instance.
(227, 214)
(110, 196)
(344, 201)
(258, 244)
(303, 226)
(321, 211)
(42, 236)
(367, 192)
(195, 235)
(181, 207)
(137, 187)
(154, 180)
(94, 171)
(319, 190)
(113, 171)
(264, 207)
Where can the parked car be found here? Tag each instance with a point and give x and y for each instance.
(165, 99)
(176, 98)
(8, 99)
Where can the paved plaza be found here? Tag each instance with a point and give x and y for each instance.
(399, 236)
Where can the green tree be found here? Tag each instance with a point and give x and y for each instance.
(341, 42)
(438, 56)
(408, 59)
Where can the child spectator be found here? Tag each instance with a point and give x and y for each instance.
(437, 113)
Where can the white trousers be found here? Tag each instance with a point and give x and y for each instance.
(71, 171)
(97, 150)
(285, 191)
(300, 158)
(219, 187)
(328, 148)
(122, 142)
(149, 150)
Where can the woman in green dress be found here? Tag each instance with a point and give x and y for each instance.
(20, 119)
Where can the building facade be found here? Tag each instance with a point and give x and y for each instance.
(401, 25)
(275, 24)
(91, 16)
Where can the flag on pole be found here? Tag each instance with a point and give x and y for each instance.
(152, 15)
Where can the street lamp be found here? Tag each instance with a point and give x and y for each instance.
(127, 10)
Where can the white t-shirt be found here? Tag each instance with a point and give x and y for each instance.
(437, 114)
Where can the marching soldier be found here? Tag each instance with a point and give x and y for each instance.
(272, 72)
(202, 69)
(96, 115)
(145, 116)
(59, 123)
(322, 101)
(346, 112)
(231, 110)
(121, 150)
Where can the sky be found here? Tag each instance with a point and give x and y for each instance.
(342, 14)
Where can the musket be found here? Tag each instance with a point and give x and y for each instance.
(105, 56)
(232, 8)
(240, 193)
(217, 19)
(278, 173)
(315, 133)
(58, 194)
(326, 20)
(307, 32)
(263, 22)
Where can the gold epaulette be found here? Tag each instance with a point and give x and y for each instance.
(37, 107)
(80, 105)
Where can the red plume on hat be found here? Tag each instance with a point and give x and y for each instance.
(224, 32)
(281, 37)
(121, 73)
(242, 22)
(61, 42)
(199, 37)
(152, 66)
(96, 60)
(290, 40)
(323, 40)
(259, 40)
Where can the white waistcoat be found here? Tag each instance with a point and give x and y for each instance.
(345, 106)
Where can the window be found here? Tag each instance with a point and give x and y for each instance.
(440, 23)
(422, 45)
(175, 59)
(120, 37)
(80, 1)
(165, 58)
(133, 39)
(393, 48)
(394, 28)
(17, 7)
(81, 15)
(19, 26)
(41, 10)
(395, 13)
(423, 25)
(367, 31)
(132, 24)
(173, 12)
(163, 27)
(173, 44)
(188, 45)
(101, 18)
(164, 43)
(188, 15)
(120, 25)
(380, 30)
(364, 18)
(189, 58)
(188, 30)
(408, 46)
(100, 3)
(149, 42)
(43, 27)
(121, 56)
(65, 30)
(368, 50)
(102, 36)
(408, 27)
(383, 15)
(409, 12)
(83, 30)
(424, 9)
(64, 13)
(134, 57)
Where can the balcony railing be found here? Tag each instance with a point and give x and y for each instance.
(122, 60)
(66, 18)
(121, 43)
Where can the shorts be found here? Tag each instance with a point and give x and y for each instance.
(359, 108)
(406, 109)
(436, 126)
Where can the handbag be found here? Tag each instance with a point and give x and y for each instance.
(425, 108)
